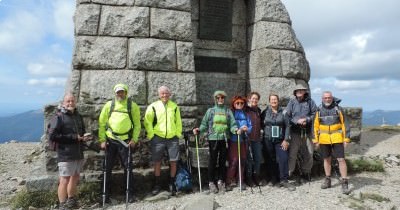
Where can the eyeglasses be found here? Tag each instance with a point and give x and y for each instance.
(239, 103)
(220, 97)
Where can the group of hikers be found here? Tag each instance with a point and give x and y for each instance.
(284, 137)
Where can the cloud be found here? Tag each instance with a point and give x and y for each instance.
(48, 82)
(49, 67)
(63, 11)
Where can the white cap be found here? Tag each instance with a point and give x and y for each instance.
(119, 88)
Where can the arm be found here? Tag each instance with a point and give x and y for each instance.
(232, 122)
(315, 129)
(148, 122)
(135, 112)
(249, 124)
(287, 128)
(103, 118)
(178, 122)
(313, 110)
(204, 122)
(345, 126)
(55, 132)
(289, 112)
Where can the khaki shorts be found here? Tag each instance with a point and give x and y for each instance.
(70, 168)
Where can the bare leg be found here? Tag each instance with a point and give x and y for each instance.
(157, 169)
(172, 168)
(62, 188)
(327, 166)
(72, 185)
(342, 168)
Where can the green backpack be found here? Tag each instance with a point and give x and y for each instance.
(218, 121)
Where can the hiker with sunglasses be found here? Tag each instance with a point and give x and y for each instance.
(239, 108)
(219, 124)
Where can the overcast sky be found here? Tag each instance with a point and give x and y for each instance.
(352, 46)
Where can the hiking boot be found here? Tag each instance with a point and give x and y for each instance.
(327, 183)
(243, 186)
(257, 179)
(287, 185)
(71, 203)
(131, 198)
(172, 187)
(345, 186)
(212, 187)
(221, 186)
(229, 187)
(63, 206)
(156, 188)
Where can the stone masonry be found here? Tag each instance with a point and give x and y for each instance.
(149, 43)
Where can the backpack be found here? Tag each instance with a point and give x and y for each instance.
(129, 112)
(183, 178)
(53, 145)
(218, 123)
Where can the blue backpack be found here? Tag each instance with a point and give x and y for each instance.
(183, 179)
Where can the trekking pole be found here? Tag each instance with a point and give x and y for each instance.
(128, 173)
(198, 161)
(104, 176)
(240, 167)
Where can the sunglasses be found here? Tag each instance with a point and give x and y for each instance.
(239, 103)
(220, 97)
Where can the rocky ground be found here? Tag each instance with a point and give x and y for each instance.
(369, 190)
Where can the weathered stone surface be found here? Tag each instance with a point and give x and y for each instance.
(167, 4)
(125, 21)
(188, 111)
(45, 182)
(279, 85)
(272, 11)
(272, 35)
(265, 63)
(87, 19)
(185, 57)
(182, 86)
(238, 39)
(109, 53)
(152, 54)
(239, 12)
(353, 112)
(206, 86)
(294, 65)
(195, 10)
(115, 2)
(82, 1)
(201, 202)
(188, 124)
(170, 24)
(73, 83)
(99, 85)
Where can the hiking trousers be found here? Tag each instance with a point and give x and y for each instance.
(300, 152)
(277, 161)
(232, 174)
(218, 153)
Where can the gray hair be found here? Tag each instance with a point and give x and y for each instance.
(163, 87)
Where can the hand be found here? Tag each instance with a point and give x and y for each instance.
(302, 121)
(345, 144)
(285, 145)
(133, 144)
(244, 128)
(103, 145)
(195, 131)
(80, 138)
(316, 145)
(239, 131)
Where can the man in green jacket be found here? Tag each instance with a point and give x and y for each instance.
(163, 124)
(119, 126)
(219, 123)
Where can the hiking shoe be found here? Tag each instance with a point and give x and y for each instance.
(172, 189)
(243, 186)
(229, 187)
(71, 203)
(221, 186)
(212, 187)
(156, 189)
(327, 183)
(63, 206)
(287, 185)
(345, 186)
(131, 198)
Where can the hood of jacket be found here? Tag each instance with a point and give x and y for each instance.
(216, 93)
(120, 85)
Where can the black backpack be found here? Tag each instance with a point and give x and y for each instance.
(51, 144)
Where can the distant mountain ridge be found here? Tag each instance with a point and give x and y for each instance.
(26, 126)
(379, 117)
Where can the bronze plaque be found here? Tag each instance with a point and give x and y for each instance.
(215, 64)
(215, 20)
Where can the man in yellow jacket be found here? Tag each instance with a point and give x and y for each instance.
(163, 124)
(331, 134)
(119, 126)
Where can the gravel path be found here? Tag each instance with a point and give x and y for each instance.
(366, 187)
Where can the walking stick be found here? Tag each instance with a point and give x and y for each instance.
(104, 176)
(198, 161)
(128, 173)
(240, 167)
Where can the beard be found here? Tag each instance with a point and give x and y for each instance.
(327, 104)
(118, 98)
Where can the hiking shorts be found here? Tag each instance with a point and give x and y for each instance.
(158, 146)
(70, 168)
(329, 150)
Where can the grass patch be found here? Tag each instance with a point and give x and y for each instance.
(39, 199)
(360, 165)
(373, 196)
(88, 194)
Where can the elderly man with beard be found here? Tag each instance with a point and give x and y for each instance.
(119, 125)
(67, 130)
(331, 134)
